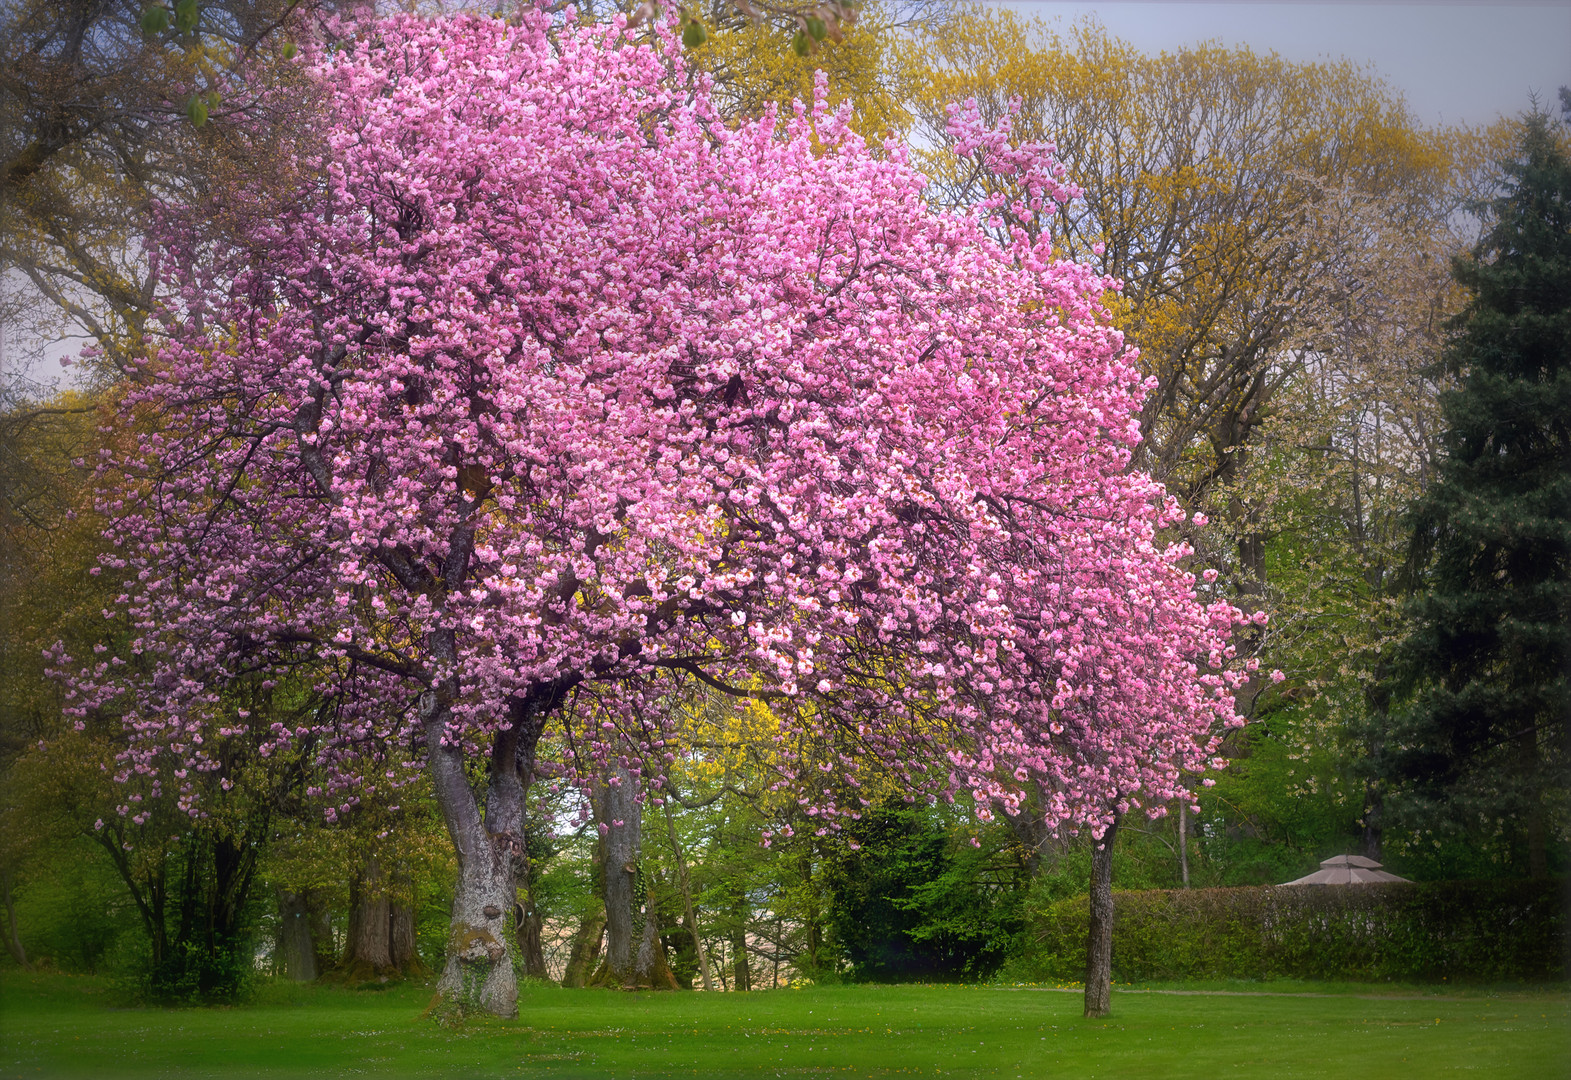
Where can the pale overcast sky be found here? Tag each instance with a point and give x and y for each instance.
(1458, 62)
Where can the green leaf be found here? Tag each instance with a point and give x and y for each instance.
(186, 15)
(290, 50)
(197, 111)
(694, 34)
(800, 44)
(155, 20)
(817, 29)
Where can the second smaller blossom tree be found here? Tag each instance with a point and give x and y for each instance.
(554, 392)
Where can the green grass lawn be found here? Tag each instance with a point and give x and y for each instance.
(57, 1026)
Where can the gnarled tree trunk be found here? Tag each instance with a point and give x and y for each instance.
(478, 975)
(1099, 941)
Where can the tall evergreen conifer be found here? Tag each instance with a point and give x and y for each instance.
(1484, 736)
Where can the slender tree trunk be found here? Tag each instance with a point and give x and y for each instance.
(1374, 807)
(812, 916)
(687, 900)
(585, 950)
(1377, 699)
(531, 941)
(774, 980)
(13, 943)
(739, 968)
(530, 923)
(478, 975)
(1183, 839)
(1099, 943)
(620, 815)
(294, 953)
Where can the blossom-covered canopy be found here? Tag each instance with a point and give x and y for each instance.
(550, 388)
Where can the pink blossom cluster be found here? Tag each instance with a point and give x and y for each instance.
(555, 388)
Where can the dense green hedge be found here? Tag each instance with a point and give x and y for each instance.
(1456, 930)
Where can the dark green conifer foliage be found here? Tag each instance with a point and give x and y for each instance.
(1482, 744)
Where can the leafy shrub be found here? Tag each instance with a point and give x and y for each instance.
(918, 902)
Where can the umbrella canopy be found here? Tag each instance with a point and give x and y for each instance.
(1346, 870)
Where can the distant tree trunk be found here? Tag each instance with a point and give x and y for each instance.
(294, 952)
(774, 980)
(402, 948)
(323, 948)
(13, 943)
(1183, 839)
(1377, 699)
(1099, 941)
(651, 969)
(1374, 806)
(367, 945)
(529, 922)
(741, 976)
(687, 900)
(585, 950)
(620, 816)
(812, 920)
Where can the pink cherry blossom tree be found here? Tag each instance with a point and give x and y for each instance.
(549, 392)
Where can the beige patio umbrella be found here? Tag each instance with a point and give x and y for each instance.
(1346, 870)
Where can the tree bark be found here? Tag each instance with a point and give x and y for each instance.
(294, 953)
(651, 969)
(1099, 943)
(585, 950)
(402, 948)
(619, 813)
(323, 948)
(687, 900)
(741, 975)
(478, 975)
(1183, 839)
(367, 953)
